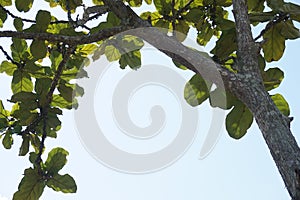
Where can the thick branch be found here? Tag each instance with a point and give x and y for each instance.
(273, 125)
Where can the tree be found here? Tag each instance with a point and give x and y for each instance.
(240, 61)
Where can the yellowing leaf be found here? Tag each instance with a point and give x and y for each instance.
(281, 104)
(112, 53)
(275, 43)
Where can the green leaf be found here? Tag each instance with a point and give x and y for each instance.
(63, 183)
(38, 49)
(256, 5)
(275, 4)
(23, 97)
(8, 140)
(66, 92)
(24, 5)
(222, 99)
(18, 24)
(132, 59)
(274, 46)
(135, 3)
(59, 101)
(5, 3)
(148, 2)
(289, 31)
(3, 17)
(113, 19)
(31, 187)
(226, 44)
(182, 27)
(87, 49)
(57, 158)
(261, 16)
(194, 15)
(21, 82)
(19, 49)
(272, 78)
(281, 104)
(196, 90)
(3, 124)
(43, 19)
(35, 142)
(42, 85)
(8, 68)
(238, 121)
(3, 113)
(24, 149)
(112, 53)
(164, 7)
(293, 10)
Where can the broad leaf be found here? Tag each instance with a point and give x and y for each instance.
(272, 78)
(7, 140)
(5, 3)
(31, 186)
(8, 68)
(24, 5)
(132, 59)
(57, 158)
(281, 104)
(275, 43)
(24, 149)
(21, 82)
(18, 24)
(112, 53)
(43, 19)
(196, 90)
(38, 49)
(238, 121)
(63, 183)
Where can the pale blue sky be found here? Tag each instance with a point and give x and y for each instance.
(234, 170)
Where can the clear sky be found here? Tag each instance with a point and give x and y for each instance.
(234, 169)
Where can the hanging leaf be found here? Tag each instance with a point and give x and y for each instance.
(274, 46)
(21, 82)
(196, 90)
(24, 5)
(238, 121)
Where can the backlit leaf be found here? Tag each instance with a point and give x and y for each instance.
(238, 121)
(281, 104)
(196, 90)
(63, 183)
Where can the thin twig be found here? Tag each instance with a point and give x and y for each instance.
(8, 57)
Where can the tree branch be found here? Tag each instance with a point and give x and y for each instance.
(250, 90)
(72, 40)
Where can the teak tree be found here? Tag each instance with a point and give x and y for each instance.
(40, 92)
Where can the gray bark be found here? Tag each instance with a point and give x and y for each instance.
(247, 85)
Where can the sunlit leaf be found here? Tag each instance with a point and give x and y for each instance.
(281, 104)
(196, 90)
(238, 121)
(274, 46)
(57, 158)
(63, 183)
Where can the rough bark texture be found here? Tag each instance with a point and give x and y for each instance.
(247, 85)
